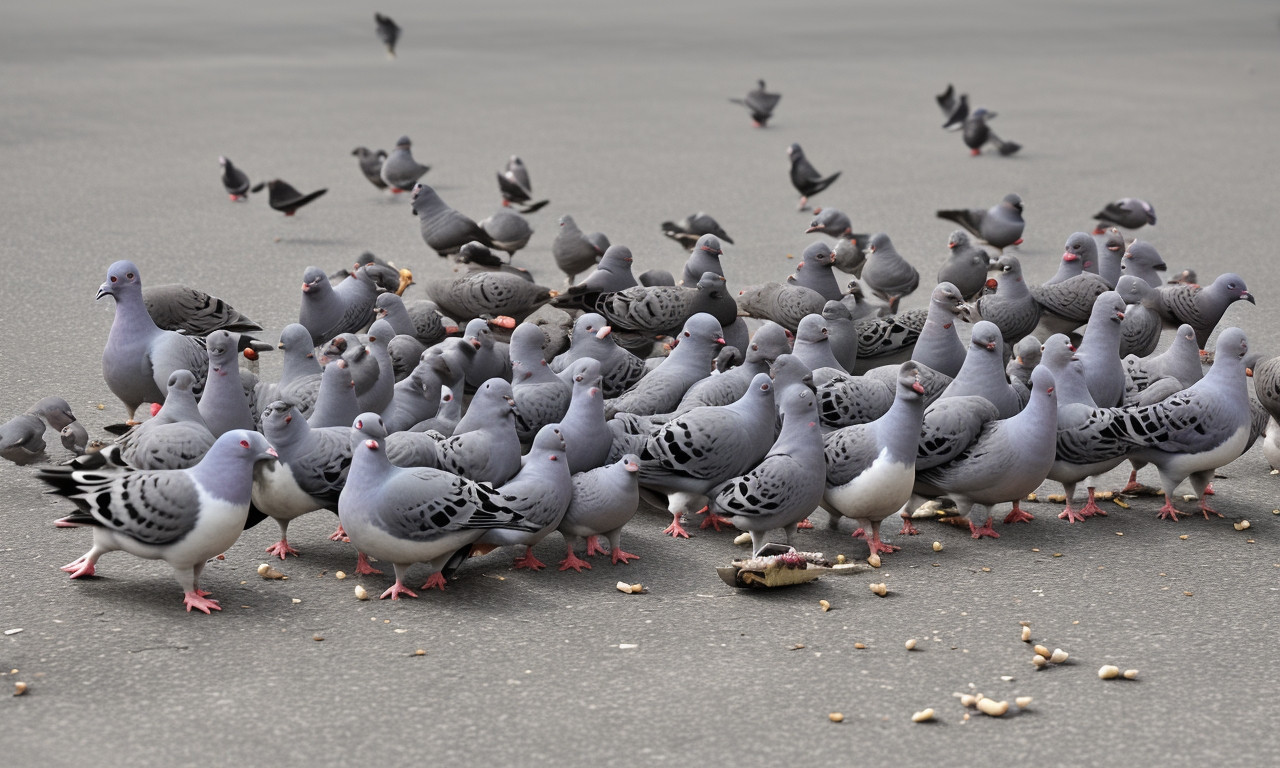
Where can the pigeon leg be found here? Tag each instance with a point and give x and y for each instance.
(396, 590)
(805, 523)
(281, 547)
(1018, 514)
(338, 535)
(675, 530)
(833, 520)
(1091, 507)
(878, 546)
(573, 561)
(1133, 485)
(975, 152)
(195, 600)
(1168, 511)
(804, 203)
(1200, 482)
(363, 567)
(435, 581)
(196, 570)
(615, 548)
(594, 548)
(528, 561)
(191, 596)
(713, 520)
(84, 565)
(908, 528)
(986, 530)
(1069, 513)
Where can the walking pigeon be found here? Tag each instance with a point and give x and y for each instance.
(400, 172)
(444, 229)
(999, 226)
(281, 196)
(234, 180)
(513, 183)
(760, 103)
(371, 164)
(978, 134)
(805, 178)
(388, 32)
(887, 273)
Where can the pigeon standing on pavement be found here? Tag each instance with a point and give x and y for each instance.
(760, 103)
(444, 229)
(327, 311)
(604, 500)
(234, 180)
(1201, 307)
(966, 265)
(181, 516)
(516, 189)
(400, 171)
(977, 134)
(814, 271)
(371, 164)
(887, 273)
(573, 252)
(587, 438)
(492, 294)
(540, 492)
(999, 226)
(1127, 212)
(224, 404)
(805, 178)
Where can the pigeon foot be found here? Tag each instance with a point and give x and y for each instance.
(528, 561)
(363, 567)
(435, 581)
(986, 530)
(1091, 507)
(877, 546)
(594, 548)
(195, 599)
(573, 561)
(1168, 511)
(339, 534)
(396, 590)
(1071, 515)
(80, 567)
(282, 549)
(618, 556)
(1018, 515)
(804, 523)
(676, 530)
(908, 528)
(1208, 510)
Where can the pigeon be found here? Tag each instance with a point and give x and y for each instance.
(785, 305)
(1111, 250)
(704, 258)
(284, 198)
(871, 468)
(540, 492)
(1067, 298)
(178, 307)
(492, 358)
(612, 274)
(444, 229)
(887, 274)
(416, 398)
(688, 456)
(234, 180)
(484, 446)
(805, 178)
(507, 230)
(768, 342)
(378, 396)
(336, 397)
(999, 226)
(139, 356)
(835, 223)
(845, 400)
(851, 255)
(938, 345)
(308, 475)
(1195, 431)
(966, 266)
(181, 516)
(479, 258)
(224, 405)
(487, 294)
(662, 389)
(75, 438)
(1099, 352)
(652, 277)
(954, 109)
(400, 172)
(1026, 356)
(1141, 259)
(409, 515)
(371, 164)
(842, 333)
(1127, 212)
(1180, 362)
(177, 437)
(787, 484)
(760, 103)
(572, 250)
(889, 339)
(388, 32)
(1012, 307)
(328, 311)
(420, 319)
(814, 271)
(591, 339)
(1140, 330)
(541, 397)
(658, 311)
(690, 229)
(22, 437)
(1201, 308)
(604, 500)
(978, 134)
(982, 373)
(513, 183)
(1003, 461)
(587, 438)
(813, 345)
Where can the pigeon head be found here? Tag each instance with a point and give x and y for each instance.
(982, 114)
(1010, 268)
(54, 410)
(222, 351)
(1186, 333)
(1134, 290)
(958, 239)
(788, 370)
(812, 329)
(549, 442)
(712, 284)
(630, 462)
(403, 143)
(817, 253)
(710, 244)
(277, 417)
(1057, 351)
(1082, 248)
(567, 222)
(703, 326)
(986, 338)
(769, 341)
(476, 252)
(1113, 241)
(1110, 306)
(241, 445)
(495, 396)
(1013, 201)
(1231, 287)
(909, 385)
(122, 277)
(369, 425)
(795, 152)
(314, 282)
(1142, 252)
(1042, 384)
(1232, 344)
(181, 380)
(1028, 351)
(835, 311)
(947, 297)
(879, 241)
(381, 332)
(798, 403)
(586, 372)
(295, 336)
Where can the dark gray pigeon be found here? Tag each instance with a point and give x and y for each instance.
(1201, 308)
(999, 226)
(508, 230)
(661, 390)
(760, 103)
(966, 265)
(400, 171)
(513, 183)
(22, 437)
(371, 164)
(234, 180)
(281, 196)
(688, 230)
(604, 500)
(954, 108)
(658, 311)
(705, 257)
(978, 134)
(479, 258)
(805, 178)
(487, 294)
(1127, 212)
(814, 271)
(420, 319)
(328, 311)
(612, 274)
(785, 305)
(887, 273)
(444, 229)
(573, 251)
(1140, 330)
(592, 338)
(388, 32)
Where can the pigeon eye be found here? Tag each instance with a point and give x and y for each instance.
(244, 443)
(113, 278)
(686, 334)
(129, 276)
(359, 425)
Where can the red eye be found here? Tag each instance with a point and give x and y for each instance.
(359, 425)
(244, 443)
(686, 334)
(113, 278)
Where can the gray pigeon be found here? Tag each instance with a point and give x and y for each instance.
(871, 468)
(507, 230)
(234, 181)
(1201, 308)
(954, 108)
(572, 250)
(604, 500)
(1067, 298)
(1181, 362)
(845, 400)
(658, 311)
(416, 398)
(652, 277)
(1012, 307)
(814, 271)
(308, 475)
(194, 312)
(999, 226)
(487, 294)
(75, 438)
(1140, 330)
(541, 397)
(175, 438)
(1099, 352)
(705, 257)
(414, 515)
(181, 516)
(139, 356)
(336, 397)
(484, 446)
(843, 333)
(887, 274)
(978, 134)
(1111, 250)
(284, 197)
(1197, 430)
(690, 229)
(1127, 212)
(939, 346)
(966, 266)
(592, 339)
(371, 164)
(22, 437)
(982, 373)
(785, 305)
(444, 229)
(400, 171)
(516, 189)
(540, 492)
(328, 311)
(1141, 259)
(805, 178)
(420, 319)
(1004, 461)
(1026, 356)
(813, 345)
(224, 404)
(834, 223)
(586, 436)
(888, 340)
(378, 396)
(661, 390)
(769, 341)
(491, 359)
(851, 255)
(760, 103)
(787, 484)
(612, 274)
(388, 32)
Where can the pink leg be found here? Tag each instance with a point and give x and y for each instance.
(396, 590)
(364, 568)
(1168, 511)
(713, 520)
(676, 530)
(338, 535)
(859, 534)
(1207, 510)
(594, 548)
(908, 528)
(878, 546)
(1208, 491)
(436, 581)
(985, 530)
(1071, 515)
(1018, 515)
(528, 561)
(80, 567)
(618, 556)
(1091, 507)
(195, 599)
(282, 549)
(1133, 484)
(804, 523)
(573, 561)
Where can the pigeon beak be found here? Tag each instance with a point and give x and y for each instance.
(593, 392)
(280, 345)
(917, 387)
(1248, 297)
(1119, 316)
(631, 466)
(603, 332)
(103, 290)
(966, 312)
(720, 340)
(1248, 371)
(815, 229)
(475, 343)
(270, 453)
(1069, 256)
(991, 345)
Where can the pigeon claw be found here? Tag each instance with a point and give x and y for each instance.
(908, 528)
(1018, 515)
(396, 590)
(195, 599)
(528, 561)
(877, 546)
(573, 561)
(1071, 515)
(339, 534)
(80, 567)
(1208, 510)
(1091, 508)
(282, 549)
(986, 530)
(1168, 511)
(594, 548)
(804, 523)
(363, 567)
(618, 556)
(676, 530)
(713, 520)
(435, 581)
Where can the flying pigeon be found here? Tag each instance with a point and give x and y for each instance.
(388, 32)
(688, 230)
(1127, 212)
(284, 198)
(954, 108)
(760, 103)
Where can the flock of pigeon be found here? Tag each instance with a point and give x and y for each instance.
(498, 410)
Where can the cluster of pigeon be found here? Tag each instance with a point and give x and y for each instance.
(498, 410)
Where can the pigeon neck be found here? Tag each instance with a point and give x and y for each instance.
(132, 316)
(899, 429)
(298, 364)
(1070, 384)
(222, 475)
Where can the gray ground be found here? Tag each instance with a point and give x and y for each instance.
(114, 115)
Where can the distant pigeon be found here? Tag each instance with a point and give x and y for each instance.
(444, 229)
(1127, 212)
(508, 230)
(887, 273)
(400, 171)
(805, 178)
(574, 252)
(978, 134)
(760, 103)
(513, 183)
(371, 164)
(688, 230)
(1201, 308)
(234, 180)
(1141, 259)
(284, 198)
(388, 32)
(998, 226)
(954, 108)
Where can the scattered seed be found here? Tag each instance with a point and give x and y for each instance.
(879, 588)
(361, 592)
(1130, 674)
(826, 606)
(840, 559)
(1108, 671)
(1042, 651)
(1119, 503)
(1035, 549)
(968, 699)
(992, 708)
(796, 647)
(1057, 554)
(834, 717)
(1119, 533)
(923, 716)
(1039, 661)
(1031, 497)
(874, 560)
(911, 644)
(1188, 594)
(1022, 701)
(742, 538)
(985, 569)
(1184, 537)
(1024, 623)
(1026, 634)
(630, 589)
(19, 688)
(317, 638)
(267, 572)
(12, 631)
(1240, 526)
(340, 575)
(937, 546)
(860, 646)
(297, 600)
(1058, 656)
(1007, 678)
(419, 652)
